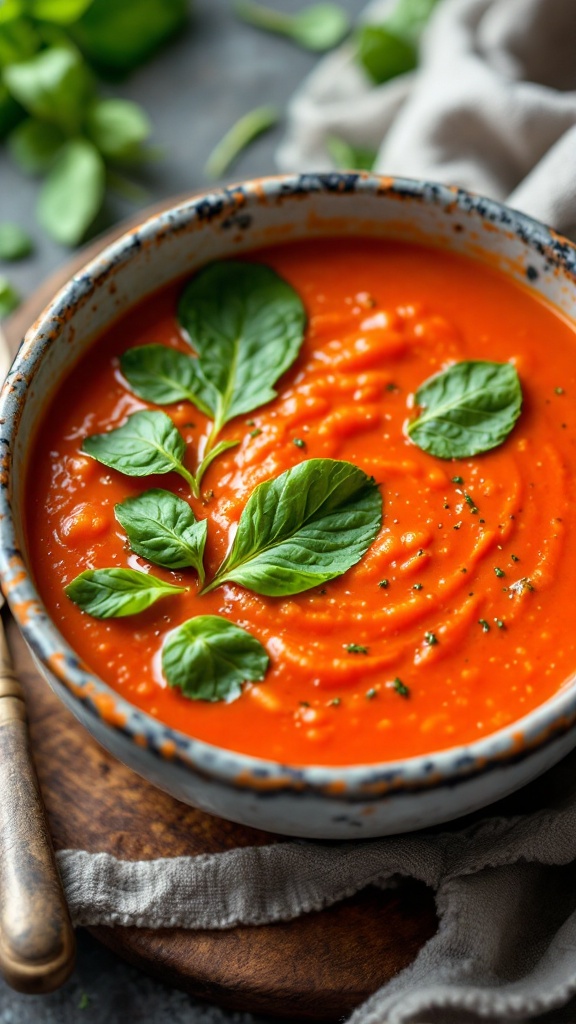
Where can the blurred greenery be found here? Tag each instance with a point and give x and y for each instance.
(52, 118)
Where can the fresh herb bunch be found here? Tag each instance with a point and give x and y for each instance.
(56, 124)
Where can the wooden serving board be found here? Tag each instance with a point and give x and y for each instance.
(318, 967)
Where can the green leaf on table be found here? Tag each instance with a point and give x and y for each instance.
(408, 18)
(391, 47)
(209, 658)
(147, 443)
(318, 28)
(118, 36)
(9, 297)
(15, 243)
(348, 157)
(247, 325)
(384, 54)
(73, 192)
(53, 86)
(19, 39)
(60, 12)
(468, 409)
(118, 128)
(115, 593)
(162, 528)
(34, 145)
(239, 136)
(306, 526)
(164, 375)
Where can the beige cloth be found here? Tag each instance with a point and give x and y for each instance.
(492, 108)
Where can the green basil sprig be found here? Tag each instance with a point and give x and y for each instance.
(164, 375)
(208, 658)
(162, 528)
(246, 325)
(147, 443)
(307, 526)
(468, 409)
(114, 593)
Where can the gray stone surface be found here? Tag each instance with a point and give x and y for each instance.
(193, 91)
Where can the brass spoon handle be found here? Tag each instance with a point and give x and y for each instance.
(36, 938)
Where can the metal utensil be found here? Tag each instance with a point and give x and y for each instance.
(37, 945)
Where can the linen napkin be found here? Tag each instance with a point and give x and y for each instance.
(492, 108)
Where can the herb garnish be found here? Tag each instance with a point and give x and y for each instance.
(356, 648)
(400, 687)
(15, 243)
(467, 409)
(384, 584)
(245, 130)
(317, 28)
(303, 528)
(148, 442)
(163, 528)
(499, 572)
(209, 658)
(485, 625)
(114, 593)
(431, 639)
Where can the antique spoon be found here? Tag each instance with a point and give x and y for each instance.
(37, 945)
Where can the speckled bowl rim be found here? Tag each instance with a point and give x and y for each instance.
(548, 721)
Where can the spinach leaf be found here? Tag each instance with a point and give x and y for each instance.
(303, 528)
(34, 145)
(147, 443)
(468, 409)
(73, 192)
(54, 85)
(9, 297)
(239, 136)
(114, 593)
(163, 375)
(15, 243)
(208, 658)
(247, 325)
(163, 528)
(318, 28)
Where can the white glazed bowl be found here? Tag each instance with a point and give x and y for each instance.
(314, 802)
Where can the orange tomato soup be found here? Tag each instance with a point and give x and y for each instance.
(495, 587)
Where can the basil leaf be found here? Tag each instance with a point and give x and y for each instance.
(114, 593)
(247, 325)
(468, 409)
(73, 192)
(163, 375)
(163, 528)
(34, 145)
(348, 157)
(9, 297)
(318, 28)
(60, 12)
(384, 53)
(118, 36)
(208, 658)
(15, 244)
(147, 443)
(118, 128)
(55, 86)
(307, 526)
(239, 136)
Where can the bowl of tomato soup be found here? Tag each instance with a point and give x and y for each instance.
(287, 501)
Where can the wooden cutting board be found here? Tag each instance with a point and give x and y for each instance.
(318, 967)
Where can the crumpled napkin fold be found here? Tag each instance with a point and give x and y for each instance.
(492, 106)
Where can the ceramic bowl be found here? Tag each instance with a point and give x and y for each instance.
(314, 802)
